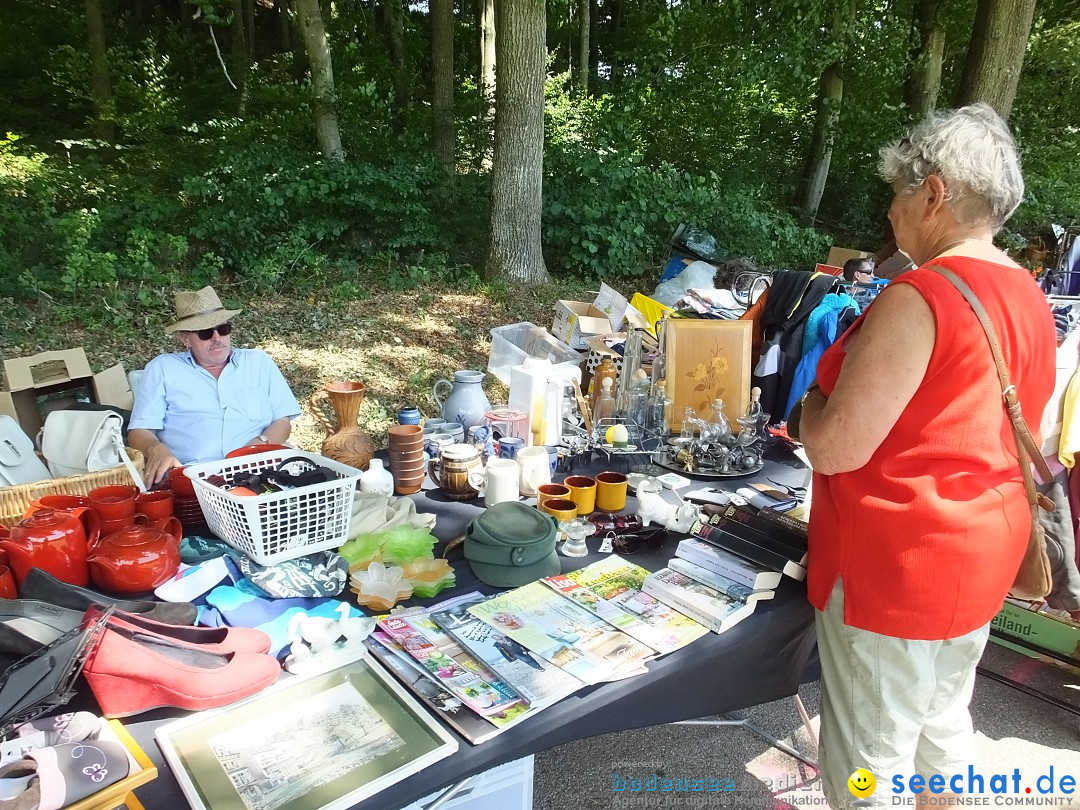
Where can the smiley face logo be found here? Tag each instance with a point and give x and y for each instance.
(862, 783)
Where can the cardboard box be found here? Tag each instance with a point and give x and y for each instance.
(54, 380)
(576, 321)
(838, 256)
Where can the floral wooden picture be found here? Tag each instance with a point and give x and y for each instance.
(707, 360)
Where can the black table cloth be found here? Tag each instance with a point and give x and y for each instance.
(763, 658)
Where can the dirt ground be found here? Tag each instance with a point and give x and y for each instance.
(397, 343)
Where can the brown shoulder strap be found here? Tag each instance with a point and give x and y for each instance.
(1026, 447)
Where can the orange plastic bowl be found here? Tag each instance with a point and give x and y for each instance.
(250, 449)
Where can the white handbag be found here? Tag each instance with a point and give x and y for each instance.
(19, 463)
(75, 442)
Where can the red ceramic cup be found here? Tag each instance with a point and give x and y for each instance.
(63, 502)
(155, 505)
(7, 584)
(180, 484)
(113, 503)
(113, 526)
(171, 526)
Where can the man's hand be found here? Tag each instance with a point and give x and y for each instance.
(159, 460)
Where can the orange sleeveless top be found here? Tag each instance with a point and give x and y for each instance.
(928, 535)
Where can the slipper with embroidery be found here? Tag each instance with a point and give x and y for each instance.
(54, 777)
(62, 728)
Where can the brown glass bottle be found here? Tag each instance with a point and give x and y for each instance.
(606, 370)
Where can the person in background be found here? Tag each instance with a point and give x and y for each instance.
(200, 404)
(920, 518)
(861, 271)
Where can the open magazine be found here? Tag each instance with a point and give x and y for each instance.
(564, 633)
(611, 589)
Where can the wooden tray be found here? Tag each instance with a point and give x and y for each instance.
(706, 360)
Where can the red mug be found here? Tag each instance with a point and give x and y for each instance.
(113, 503)
(155, 505)
(65, 503)
(7, 584)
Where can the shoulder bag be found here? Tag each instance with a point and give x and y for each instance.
(76, 442)
(19, 464)
(1033, 580)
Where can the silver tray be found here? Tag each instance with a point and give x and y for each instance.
(662, 460)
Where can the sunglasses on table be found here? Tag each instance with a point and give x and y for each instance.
(632, 543)
(222, 329)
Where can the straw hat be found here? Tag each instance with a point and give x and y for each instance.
(199, 309)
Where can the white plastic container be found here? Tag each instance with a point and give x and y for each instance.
(507, 787)
(536, 388)
(511, 344)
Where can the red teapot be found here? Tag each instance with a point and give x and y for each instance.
(136, 559)
(55, 541)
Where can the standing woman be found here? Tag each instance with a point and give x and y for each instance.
(920, 519)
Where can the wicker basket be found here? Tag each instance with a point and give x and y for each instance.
(14, 500)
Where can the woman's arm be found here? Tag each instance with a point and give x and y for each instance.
(885, 364)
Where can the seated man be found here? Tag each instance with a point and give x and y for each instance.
(861, 271)
(200, 404)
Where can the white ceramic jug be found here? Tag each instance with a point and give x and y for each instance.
(501, 481)
(535, 468)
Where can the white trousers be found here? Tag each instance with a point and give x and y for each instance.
(891, 705)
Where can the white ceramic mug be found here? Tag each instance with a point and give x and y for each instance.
(501, 481)
(535, 468)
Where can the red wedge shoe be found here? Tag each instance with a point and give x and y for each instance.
(132, 671)
(209, 639)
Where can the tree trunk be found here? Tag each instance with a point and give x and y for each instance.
(927, 54)
(584, 21)
(284, 25)
(615, 60)
(514, 238)
(249, 25)
(487, 80)
(442, 81)
(100, 88)
(391, 12)
(827, 115)
(996, 53)
(322, 77)
(239, 55)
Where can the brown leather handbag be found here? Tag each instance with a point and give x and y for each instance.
(1033, 580)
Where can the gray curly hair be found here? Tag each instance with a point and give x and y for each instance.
(973, 152)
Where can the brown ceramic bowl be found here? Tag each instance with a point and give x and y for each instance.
(398, 433)
(407, 456)
(409, 484)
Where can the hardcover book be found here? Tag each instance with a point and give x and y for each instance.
(768, 532)
(735, 590)
(611, 589)
(537, 681)
(732, 566)
(709, 606)
(562, 632)
(735, 541)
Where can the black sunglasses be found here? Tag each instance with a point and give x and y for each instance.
(222, 329)
(653, 540)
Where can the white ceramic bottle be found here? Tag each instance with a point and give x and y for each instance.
(377, 478)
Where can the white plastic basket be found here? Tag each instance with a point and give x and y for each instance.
(280, 525)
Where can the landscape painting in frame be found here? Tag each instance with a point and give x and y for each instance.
(707, 360)
(323, 742)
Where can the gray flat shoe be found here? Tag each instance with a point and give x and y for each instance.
(44, 586)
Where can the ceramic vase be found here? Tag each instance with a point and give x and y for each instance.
(466, 404)
(377, 479)
(345, 441)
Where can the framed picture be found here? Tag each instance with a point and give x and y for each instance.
(707, 360)
(323, 742)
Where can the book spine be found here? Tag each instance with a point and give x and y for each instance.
(739, 523)
(744, 548)
(733, 590)
(716, 563)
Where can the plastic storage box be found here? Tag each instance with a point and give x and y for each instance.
(280, 525)
(507, 787)
(511, 344)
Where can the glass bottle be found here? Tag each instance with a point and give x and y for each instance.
(605, 404)
(605, 371)
(688, 422)
(719, 426)
(659, 363)
(751, 420)
(659, 410)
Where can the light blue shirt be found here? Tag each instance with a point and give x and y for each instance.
(202, 419)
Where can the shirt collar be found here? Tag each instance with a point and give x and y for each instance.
(189, 358)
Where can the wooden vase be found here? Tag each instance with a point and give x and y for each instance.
(345, 441)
